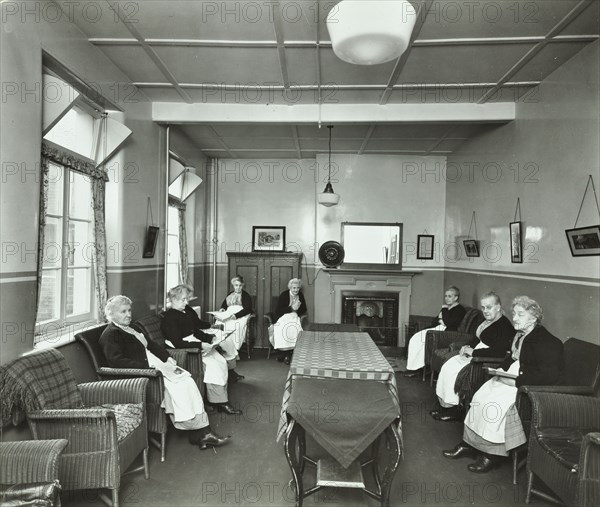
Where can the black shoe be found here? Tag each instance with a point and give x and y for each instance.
(287, 359)
(228, 409)
(458, 451)
(234, 376)
(280, 359)
(434, 413)
(483, 465)
(212, 440)
(448, 415)
(413, 373)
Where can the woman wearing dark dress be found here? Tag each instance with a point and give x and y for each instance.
(449, 318)
(124, 347)
(291, 305)
(492, 339)
(183, 328)
(492, 426)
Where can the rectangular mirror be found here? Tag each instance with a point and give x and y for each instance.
(372, 243)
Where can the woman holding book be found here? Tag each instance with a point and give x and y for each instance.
(184, 329)
(492, 426)
(234, 314)
(124, 347)
(291, 305)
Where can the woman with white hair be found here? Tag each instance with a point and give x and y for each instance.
(492, 426)
(124, 347)
(183, 328)
(234, 314)
(290, 307)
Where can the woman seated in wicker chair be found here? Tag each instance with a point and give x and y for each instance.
(492, 425)
(492, 339)
(290, 307)
(124, 347)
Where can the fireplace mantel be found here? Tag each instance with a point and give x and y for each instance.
(358, 280)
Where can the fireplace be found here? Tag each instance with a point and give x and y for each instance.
(365, 284)
(373, 312)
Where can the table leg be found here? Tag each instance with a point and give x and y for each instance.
(295, 446)
(389, 460)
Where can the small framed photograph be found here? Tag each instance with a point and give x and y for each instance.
(150, 242)
(425, 246)
(266, 238)
(584, 241)
(516, 245)
(471, 247)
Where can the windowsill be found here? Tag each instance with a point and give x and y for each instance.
(63, 336)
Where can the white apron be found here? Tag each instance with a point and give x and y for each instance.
(215, 368)
(487, 415)
(238, 326)
(447, 377)
(284, 333)
(182, 399)
(416, 348)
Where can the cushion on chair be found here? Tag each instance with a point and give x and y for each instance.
(564, 444)
(37, 494)
(128, 417)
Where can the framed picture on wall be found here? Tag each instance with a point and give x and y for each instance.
(150, 242)
(425, 246)
(471, 247)
(516, 246)
(267, 238)
(584, 241)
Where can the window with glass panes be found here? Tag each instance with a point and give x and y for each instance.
(173, 256)
(67, 278)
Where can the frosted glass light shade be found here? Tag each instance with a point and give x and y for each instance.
(369, 32)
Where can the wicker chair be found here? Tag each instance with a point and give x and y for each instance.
(104, 422)
(190, 359)
(442, 345)
(157, 418)
(582, 377)
(563, 447)
(29, 471)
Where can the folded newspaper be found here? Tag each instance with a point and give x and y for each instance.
(173, 373)
(223, 314)
(501, 373)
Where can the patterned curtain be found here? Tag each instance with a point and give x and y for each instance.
(99, 177)
(44, 183)
(183, 252)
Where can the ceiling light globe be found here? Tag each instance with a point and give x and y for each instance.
(370, 32)
(328, 199)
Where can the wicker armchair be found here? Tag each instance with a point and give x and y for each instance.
(157, 418)
(190, 359)
(582, 377)
(104, 422)
(563, 447)
(29, 471)
(442, 345)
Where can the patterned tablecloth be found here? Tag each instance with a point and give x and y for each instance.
(340, 355)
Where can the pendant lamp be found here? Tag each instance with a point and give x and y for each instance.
(329, 197)
(369, 32)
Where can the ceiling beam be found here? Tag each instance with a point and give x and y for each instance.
(296, 139)
(280, 45)
(217, 113)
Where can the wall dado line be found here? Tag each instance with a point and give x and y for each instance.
(570, 304)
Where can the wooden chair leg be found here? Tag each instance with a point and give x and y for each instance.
(529, 487)
(515, 464)
(146, 468)
(431, 379)
(163, 446)
(115, 498)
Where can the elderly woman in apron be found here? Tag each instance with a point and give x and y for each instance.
(235, 312)
(492, 425)
(183, 328)
(492, 339)
(290, 307)
(126, 348)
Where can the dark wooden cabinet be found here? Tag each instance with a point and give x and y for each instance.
(266, 275)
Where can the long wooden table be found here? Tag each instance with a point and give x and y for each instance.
(342, 392)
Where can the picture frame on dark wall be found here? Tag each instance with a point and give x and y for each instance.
(584, 241)
(425, 246)
(267, 238)
(516, 243)
(471, 247)
(150, 242)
